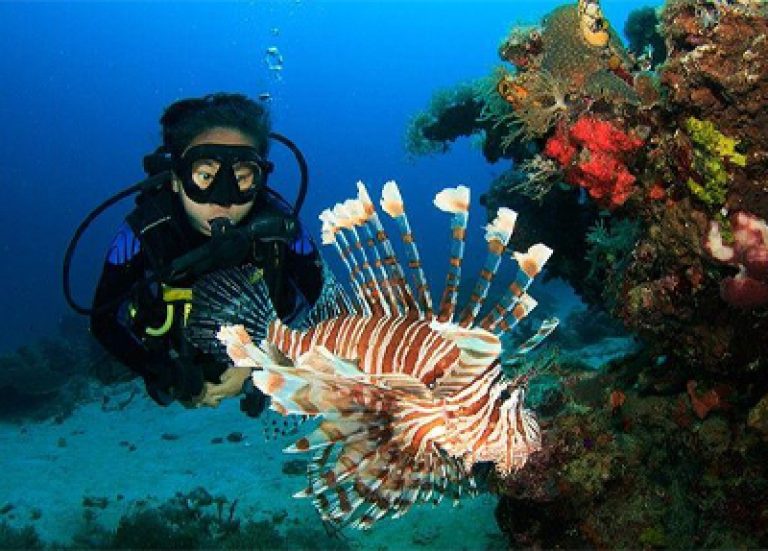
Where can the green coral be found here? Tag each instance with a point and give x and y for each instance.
(609, 252)
(608, 247)
(447, 103)
(713, 153)
(567, 56)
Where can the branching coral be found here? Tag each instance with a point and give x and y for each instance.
(452, 110)
(541, 174)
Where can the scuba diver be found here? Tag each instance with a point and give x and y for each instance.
(206, 206)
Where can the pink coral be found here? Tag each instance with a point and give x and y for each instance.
(749, 252)
(601, 164)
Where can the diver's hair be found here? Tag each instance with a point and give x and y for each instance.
(185, 119)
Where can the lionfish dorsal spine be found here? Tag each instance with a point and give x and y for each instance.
(392, 204)
(331, 233)
(455, 201)
(516, 304)
(390, 272)
(497, 236)
(546, 327)
(347, 216)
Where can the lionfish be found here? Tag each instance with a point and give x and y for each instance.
(409, 397)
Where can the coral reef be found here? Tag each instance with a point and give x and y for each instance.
(49, 377)
(631, 460)
(675, 147)
(650, 162)
(196, 520)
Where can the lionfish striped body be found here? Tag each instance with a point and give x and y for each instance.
(410, 398)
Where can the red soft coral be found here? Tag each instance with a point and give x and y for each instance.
(597, 135)
(601, 164)
(559, 147)
(606, 179)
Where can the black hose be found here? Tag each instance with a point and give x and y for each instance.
(302, 162)
(144, 184)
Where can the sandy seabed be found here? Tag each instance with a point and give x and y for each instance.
(144, 452)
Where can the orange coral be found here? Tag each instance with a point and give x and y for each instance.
(712, 399)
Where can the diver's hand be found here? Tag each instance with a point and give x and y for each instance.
(231, 385)
(170, 378)
(254, 402)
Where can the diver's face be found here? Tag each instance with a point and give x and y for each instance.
(200, 214)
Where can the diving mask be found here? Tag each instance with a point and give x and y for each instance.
(222, 174)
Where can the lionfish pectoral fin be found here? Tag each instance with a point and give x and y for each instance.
(472, 340)
(233, 296)
(478, 349)
(402, 382)
(306, 492)
(275, 354)
(319, 358)
(334, 428)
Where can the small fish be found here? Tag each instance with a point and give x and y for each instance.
(409, 397)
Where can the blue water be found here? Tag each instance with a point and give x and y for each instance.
(84, 83)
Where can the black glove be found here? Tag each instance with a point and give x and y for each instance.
(171, 378)
(230, 245)
(254, 402)
(272, 225)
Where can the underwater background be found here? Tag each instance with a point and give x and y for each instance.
(653, 395)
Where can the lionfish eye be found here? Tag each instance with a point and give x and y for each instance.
(505, 395)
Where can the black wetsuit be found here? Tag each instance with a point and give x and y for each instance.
(153, 235)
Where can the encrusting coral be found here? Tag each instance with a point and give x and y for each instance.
(713, 153)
